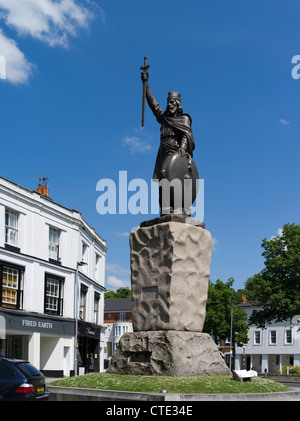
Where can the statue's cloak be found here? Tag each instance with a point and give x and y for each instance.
(182, 124)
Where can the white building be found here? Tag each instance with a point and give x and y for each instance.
(118, 320)
(270, 348)
(41, 244)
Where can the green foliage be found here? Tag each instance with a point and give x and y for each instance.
(120, 293)
(218, 313)
(277, 287)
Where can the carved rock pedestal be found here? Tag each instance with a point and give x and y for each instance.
(170, 267)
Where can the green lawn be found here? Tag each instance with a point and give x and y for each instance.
(152, 384)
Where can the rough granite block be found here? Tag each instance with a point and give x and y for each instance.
(170, 267)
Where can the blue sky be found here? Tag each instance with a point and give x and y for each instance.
(71, 109)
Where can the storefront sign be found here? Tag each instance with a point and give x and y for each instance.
(26, 322)
(32, 323)
(88, 330)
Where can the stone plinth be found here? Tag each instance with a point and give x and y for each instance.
(170, 267)
(167, 353)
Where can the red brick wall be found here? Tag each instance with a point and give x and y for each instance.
(115, 317)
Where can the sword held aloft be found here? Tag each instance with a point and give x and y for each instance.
(144, 69)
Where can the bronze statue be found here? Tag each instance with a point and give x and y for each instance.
(175, 155)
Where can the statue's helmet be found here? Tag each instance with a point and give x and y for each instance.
(174, 95)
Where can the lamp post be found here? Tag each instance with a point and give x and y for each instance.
(76, 317)
(231, 320)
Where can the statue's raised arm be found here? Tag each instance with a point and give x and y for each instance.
(153, 104)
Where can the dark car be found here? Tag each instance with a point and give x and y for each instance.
(21, 381)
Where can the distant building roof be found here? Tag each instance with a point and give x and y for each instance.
(120, 304)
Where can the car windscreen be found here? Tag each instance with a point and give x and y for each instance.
(28, 369)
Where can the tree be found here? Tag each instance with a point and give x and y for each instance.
(218, 313)
(120, 293)
(276, 289)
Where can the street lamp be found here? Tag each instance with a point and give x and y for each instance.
(76, 317)
(231, 319)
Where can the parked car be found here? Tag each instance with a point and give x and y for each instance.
(21, 381)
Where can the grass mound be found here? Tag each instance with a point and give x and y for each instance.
(153, 384)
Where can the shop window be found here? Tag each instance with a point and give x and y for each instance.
(17, 346)
(53, 295)
(11, 284)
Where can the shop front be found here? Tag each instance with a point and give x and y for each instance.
(89, 347)
(47, 342)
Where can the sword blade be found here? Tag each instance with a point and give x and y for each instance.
(143, 105)
(145, 69)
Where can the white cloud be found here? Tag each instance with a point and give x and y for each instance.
(214, 243)
(18, 68)
(126, 233)
(279, 233)
(136, 144)
(122, 234)
(284, 122)
(116, 269)
(114, 282)
(49, 21)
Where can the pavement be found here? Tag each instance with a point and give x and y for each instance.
(52, 379)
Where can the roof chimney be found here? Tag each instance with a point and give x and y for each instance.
(243, 299)
(43, 188)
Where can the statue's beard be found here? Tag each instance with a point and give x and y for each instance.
(171, 111)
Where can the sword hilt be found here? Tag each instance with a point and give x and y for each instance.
(146, 66)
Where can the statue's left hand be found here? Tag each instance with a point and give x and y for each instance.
(182, 151)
